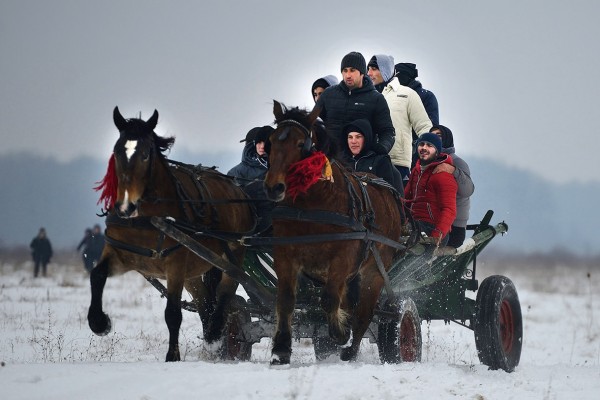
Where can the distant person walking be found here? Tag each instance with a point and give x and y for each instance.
(96, 246)
(84, 247)
(41, 251)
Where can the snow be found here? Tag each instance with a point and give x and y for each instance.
(48, 352)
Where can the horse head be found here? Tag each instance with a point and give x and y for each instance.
(136, 153)
(293, 140)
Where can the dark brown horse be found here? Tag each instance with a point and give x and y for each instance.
(142, 183)
(335, 205)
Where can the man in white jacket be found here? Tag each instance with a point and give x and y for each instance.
(406, 109)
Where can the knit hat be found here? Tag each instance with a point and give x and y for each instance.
(433, 139)
(252, 134)
(354, 60)
(447, 137)
(406, 72)
(385, 65)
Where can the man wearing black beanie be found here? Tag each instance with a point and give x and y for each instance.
(356, 98)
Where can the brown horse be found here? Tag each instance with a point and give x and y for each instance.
(335, 204)
(142, 183)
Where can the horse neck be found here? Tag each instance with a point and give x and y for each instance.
(161, 190)
(324, 195)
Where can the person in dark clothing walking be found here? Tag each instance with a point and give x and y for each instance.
(41, 251)
(84, 247)
(359, 155)
(96, 245)
(356, 98)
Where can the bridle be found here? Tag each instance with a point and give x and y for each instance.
(308, 147)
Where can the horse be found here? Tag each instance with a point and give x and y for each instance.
(142, 183)
(324, 199)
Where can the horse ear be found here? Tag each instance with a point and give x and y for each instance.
(277, 110)
(314, 114)
(120, 122)
(153, 120)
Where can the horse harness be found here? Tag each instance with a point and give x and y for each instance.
(198, 212)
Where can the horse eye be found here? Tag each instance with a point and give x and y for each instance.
(300, 145)
(145, 156)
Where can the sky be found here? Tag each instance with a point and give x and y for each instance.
(516, 81)
(48, 352)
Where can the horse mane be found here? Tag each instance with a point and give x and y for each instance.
(323, 141)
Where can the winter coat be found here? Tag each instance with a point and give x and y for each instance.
(408, 115)
(428, 99)
(252, 166)
(368, 161)
(41, 249)
(340, 106)
(432, 197)
(462, 174)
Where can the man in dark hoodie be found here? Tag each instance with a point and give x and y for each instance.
(356, 98)
(255, 158)
(251, 172)
(319, 86)
(407, 74)
(358, 153)
(461, 172)
(432, 197)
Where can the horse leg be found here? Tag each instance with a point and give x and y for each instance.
(286, 301)
(337, 318)
(362, 315)
(216, 322)
(98, 321)
(201, 294)
(173, 315)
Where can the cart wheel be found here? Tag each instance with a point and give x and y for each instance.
(233, 348)
(498, 324)
(324, 347)
(400, 341)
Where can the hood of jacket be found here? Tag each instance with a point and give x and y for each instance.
(363, 126)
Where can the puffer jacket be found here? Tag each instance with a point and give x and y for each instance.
(408, 115)
(340, 106)
(432, 197)
(251, 168)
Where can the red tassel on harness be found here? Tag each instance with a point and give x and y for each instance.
(108, 185)
(305, 173)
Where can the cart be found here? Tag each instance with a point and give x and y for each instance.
(420, 285)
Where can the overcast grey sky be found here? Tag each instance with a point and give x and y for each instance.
(517, 81)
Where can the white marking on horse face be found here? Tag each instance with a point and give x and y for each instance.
(130, 146)
(125, 202)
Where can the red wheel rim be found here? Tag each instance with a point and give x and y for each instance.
(408, 339)
(507, 326)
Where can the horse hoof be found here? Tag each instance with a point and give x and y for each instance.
(280, 359)
(348, 354)
(101, 325)
(173, 356)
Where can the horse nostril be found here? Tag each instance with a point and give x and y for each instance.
(279, 188)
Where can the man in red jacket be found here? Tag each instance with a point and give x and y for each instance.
(432, 197)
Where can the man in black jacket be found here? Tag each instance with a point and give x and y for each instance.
(356, 98)
(358, 153)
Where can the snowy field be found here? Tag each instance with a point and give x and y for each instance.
(48, 352)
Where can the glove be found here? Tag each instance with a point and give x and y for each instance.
(444, 251)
